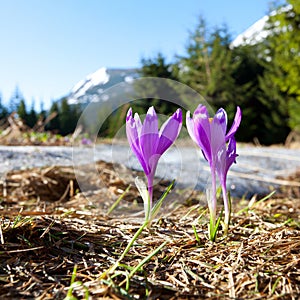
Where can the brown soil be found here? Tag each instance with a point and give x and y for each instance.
(48, 227)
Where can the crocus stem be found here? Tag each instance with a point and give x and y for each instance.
(213, 199)
(226, 208)
(150, 192)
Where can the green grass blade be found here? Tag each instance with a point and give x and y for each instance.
(230, 205)
(275, 285)
(115, 204)
(259, 201)
(214, 229)
(158, 204)
(135, 269)
(131, 242)
(196, 234)
(218, 192)
(70, 291)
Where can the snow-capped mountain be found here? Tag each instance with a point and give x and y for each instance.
(257, 32)
(254, 34)
(92, 88)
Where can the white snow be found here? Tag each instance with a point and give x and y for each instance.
(72, 101)
(104, 97)
(81, 91)
(256, 33)
(99, 77)
(98, 82)
(129, 79)
(78, 85)
(253, 34)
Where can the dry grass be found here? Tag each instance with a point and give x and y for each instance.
(47, 227)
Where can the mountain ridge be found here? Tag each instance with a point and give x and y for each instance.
(93, 86)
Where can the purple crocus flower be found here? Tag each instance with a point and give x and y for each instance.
(148, 144)
(218, 147)
(86, 141)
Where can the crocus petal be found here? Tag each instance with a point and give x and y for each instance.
(132, 131)
(221, 115)
(221, 164)
(129, 114)
(235, 124)
(153, 161)
(138, 124)
(231, 153)
(225, 158)
(203, 135)
(169, 132)
(217, 139)
(190, 126)
(199, 129)
(201, 111)
(149, 136)
(201, 118)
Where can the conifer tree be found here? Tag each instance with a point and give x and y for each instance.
(3, 111)
(195, 68)
(284, 44)
(209, 66)
(21, 111)
(68, 117)
(221, 87)
(54, 124)
(279, 83)
(246, 91)
(15, 100)
(31, 117)
(156, 67)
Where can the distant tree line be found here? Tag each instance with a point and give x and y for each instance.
(63, 122)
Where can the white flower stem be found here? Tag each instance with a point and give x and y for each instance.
(226, 208)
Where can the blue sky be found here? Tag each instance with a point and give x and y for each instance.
(47, 46)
